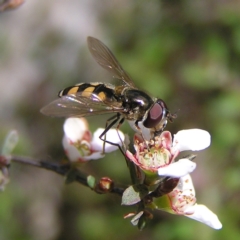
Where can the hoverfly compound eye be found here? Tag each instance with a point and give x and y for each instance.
(156, 114)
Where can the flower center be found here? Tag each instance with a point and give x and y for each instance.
(181, 201)
(83, 148)
(155, 158)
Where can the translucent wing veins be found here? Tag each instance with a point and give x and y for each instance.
(105, 58)
(75, 105)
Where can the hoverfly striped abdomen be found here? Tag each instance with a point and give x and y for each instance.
(103, 91)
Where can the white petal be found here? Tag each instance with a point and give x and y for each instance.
(74, 155)
(191, 139)
(74, 128)
(204, 215)
(177, 169)
(112, 136)
(94, 156)
(185, 185)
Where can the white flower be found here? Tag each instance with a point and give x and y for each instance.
(160, 154)
(202, 214)
(177, 169)
(182, 201)
(75, 128)
(157, 154)
(79, 145)
(191, 139)
(112, 135)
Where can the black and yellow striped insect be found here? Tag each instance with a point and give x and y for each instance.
(124, 99)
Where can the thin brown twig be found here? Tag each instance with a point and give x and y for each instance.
(62, 169)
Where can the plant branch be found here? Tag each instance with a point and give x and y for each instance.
(62, 169)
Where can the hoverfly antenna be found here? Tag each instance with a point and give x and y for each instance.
(172, 116)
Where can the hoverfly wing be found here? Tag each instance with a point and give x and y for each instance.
(105, 58)
(75, 105)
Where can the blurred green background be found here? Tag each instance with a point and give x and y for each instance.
(185, 52)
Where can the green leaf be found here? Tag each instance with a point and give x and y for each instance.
(134, 194)
(91, 181)
(162, 203)
(10, 142)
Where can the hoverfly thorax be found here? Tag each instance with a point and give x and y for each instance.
(136, 103)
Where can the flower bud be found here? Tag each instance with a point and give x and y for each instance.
(105, 185)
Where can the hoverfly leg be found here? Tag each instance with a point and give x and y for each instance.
(123, 149)
(114, 119)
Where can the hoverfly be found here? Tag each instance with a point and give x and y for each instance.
(125, 99)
